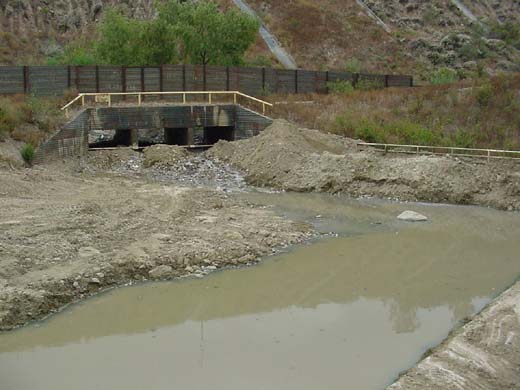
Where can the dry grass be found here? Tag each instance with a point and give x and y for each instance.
(478, 113)
(29, 119)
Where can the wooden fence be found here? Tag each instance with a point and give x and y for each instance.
(54, 80)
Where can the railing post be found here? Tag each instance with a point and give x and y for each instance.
(235, 98)
(263, 109)
(109, 100)
(209, 98)
(204, 80)
(184, 98)
(82, 100)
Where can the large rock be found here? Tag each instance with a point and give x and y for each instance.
(161, 271)
(412, 216)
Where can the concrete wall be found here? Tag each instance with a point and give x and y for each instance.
(72, 139)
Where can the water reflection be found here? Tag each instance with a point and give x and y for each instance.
(344, 312)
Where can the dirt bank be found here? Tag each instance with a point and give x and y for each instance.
(289, 158)
(67, 235)
(484, 354)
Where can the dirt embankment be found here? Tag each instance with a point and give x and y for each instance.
(67, 235)
(484, 354)
(289, 158)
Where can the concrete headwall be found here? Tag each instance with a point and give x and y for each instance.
(72, 139)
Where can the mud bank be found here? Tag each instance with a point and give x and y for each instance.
(66, 236)
(484, 354)
(293, 159)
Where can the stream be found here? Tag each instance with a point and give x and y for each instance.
(350, 310)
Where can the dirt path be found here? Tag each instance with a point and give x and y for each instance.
(289, 158)
(484, 354)
(65, 235)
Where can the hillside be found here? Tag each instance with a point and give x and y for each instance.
(318, 34)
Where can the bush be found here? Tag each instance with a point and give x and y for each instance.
(463, 139)
(412, 133)
(340, 87)
(369, 85)
(353, 65)
(444, 76)
(27, 152)
(484, 95)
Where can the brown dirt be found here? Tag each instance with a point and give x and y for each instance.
(67, 235)
(289, 158)
(484, 354)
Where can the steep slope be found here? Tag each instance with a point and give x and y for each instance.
(418, 36)
(32, 30)
(390, 36)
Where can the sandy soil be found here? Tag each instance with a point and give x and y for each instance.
(484, 354)
(289, 158)
(67, 235)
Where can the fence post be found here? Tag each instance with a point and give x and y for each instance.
(327, 82)
(386, 81)
(142, 79)
(184, 77)
(161, 80)
(68, 77)
(204, 85)
(264, 91)
(26, 81)
(355, 80)
(77, 77)
(411, 81)
(97, 78)
(296, 81)
(227, 79)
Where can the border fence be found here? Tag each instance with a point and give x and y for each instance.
(55, 80)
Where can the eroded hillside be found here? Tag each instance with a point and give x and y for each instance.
(320, 34)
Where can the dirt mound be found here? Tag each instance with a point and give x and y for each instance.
(10, 154)
(163, 155)
(289, 158)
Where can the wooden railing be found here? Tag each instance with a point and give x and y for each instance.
(444, 150)
(108, 98)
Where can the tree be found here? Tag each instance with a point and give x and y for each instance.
(124, 41)
(195, 31)
(209, 36)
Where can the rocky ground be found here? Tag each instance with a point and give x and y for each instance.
(69, 232)
(289, 158)
(484, 354)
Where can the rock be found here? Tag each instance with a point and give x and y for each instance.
(88, 252)
(95, 281)
(189, 269)
(161, 271)
(412, 216)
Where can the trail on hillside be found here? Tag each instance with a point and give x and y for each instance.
(274, 45)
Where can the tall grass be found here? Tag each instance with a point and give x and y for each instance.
(476, 113)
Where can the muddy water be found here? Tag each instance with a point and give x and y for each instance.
(346, 312)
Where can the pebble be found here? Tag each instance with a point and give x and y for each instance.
(95, 281)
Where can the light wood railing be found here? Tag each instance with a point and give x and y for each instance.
(212, 96)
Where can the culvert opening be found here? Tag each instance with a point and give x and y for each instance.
(195, 137)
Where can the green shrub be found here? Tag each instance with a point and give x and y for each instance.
(340, 87)
(484, 95)
(444, 76)
(27, 152)
(370, 131)
(353, 65)
(412, 133)
(369, 85)
(463, 139)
